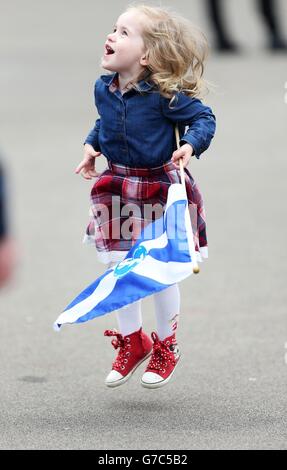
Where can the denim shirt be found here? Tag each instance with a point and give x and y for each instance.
(137, 128)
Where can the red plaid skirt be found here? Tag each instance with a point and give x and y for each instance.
(124, 200)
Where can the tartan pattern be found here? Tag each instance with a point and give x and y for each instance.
(120, 185)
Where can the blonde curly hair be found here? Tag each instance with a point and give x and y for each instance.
(176, 51)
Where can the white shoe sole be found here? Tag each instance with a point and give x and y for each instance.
(161, 383)
(119, 382)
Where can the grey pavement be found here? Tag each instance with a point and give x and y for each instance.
(230, 388)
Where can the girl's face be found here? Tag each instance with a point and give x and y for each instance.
(126, 42)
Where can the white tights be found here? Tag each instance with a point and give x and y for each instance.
(167, 308)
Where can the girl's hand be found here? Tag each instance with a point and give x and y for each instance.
(185, 152)
(87, 166)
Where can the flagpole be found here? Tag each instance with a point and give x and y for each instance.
(182, 178)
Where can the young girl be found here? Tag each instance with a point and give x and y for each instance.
(156, 58)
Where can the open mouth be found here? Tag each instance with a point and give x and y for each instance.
(109, 50)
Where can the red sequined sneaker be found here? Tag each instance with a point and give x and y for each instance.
(162, 364)
(134, 349)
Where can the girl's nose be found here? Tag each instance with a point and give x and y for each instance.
(111, 36)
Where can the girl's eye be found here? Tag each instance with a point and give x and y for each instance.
(123, 31)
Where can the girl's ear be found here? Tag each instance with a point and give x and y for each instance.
(144, 60)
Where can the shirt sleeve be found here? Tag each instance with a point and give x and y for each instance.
(93, 136)
(199, 119)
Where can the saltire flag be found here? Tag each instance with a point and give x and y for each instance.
(163, 255)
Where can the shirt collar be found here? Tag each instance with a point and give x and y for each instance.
(142, 84)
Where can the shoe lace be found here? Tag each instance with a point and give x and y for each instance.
(161, 354)
(122, 343)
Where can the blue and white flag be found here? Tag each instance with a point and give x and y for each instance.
(163, 255)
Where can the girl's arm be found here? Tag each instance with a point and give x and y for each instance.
(86, 167)
(91, 150)
(93, 136)
(191, 112)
